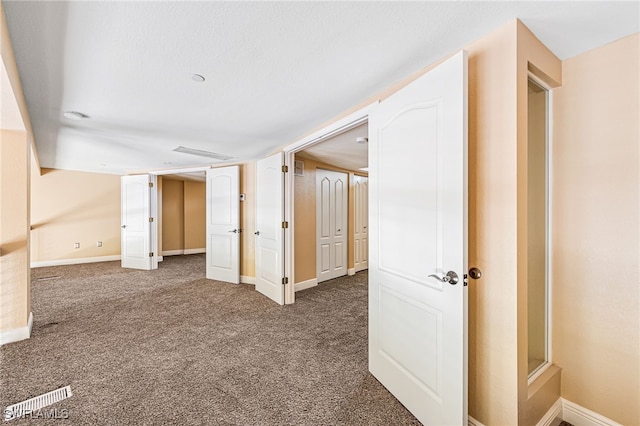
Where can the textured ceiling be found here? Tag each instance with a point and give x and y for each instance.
(274, 70)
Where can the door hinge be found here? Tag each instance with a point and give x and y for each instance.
(285, 280)
(150, 219)
(285, 224)
(150, 184)
(151, 254)
(285, 169)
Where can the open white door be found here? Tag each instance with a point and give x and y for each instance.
(223, 224)
(138, 231)
(418, 217)
(270, 228)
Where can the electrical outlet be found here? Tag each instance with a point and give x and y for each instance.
(76, 245)
(99, 244)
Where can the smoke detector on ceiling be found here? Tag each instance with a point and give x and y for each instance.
(198, 78)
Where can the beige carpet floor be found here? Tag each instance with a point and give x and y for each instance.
(170, 347)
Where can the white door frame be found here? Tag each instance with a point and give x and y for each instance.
(348, 122)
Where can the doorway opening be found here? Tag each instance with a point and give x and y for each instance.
(181, 214)
(340, 147)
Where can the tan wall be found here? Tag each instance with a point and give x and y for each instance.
(305, 219)
(15, 204)
(195, 210)
(15, 304)
(596, 139)
(172, 215)
(69, 207)
(183, 219)
(492, 228)
(536, 399)
(537, 230)
(248, 219)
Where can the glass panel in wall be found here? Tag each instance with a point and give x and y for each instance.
(537, 226)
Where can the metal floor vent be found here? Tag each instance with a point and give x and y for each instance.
(33, 404)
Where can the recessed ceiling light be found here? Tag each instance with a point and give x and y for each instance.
(362, 140)
(75, 115)
(197, 77)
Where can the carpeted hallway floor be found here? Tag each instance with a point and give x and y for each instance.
(170, 347)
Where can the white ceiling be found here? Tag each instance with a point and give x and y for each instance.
(274, 70)
(342, 150)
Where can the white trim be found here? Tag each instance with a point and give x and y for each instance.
(160, 258)
(554, 411)
(178, 171)
(342, 125)
(303, 285)
(247, 280)
(17, 334)
(473, 422)
(195, 251)
(172, 252)
(537, 373)
(351, 271)
(580, 416)
(339, 126)
(75, 261)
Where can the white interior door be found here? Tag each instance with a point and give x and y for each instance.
(223, 224)
(361, 223)
(331, 223)
(418, 217)
(269, 228)
(139, 222)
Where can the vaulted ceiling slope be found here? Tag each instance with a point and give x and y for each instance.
(273, 70)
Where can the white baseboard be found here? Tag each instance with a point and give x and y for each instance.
(580, 416)
(195, 251)
(160, 258)
(75, 261)
(553, 412)
(351, 271)
(17, 334)
(172, 252)
(247, 280)
(305, 284)
(473, 422)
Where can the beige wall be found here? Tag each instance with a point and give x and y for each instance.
(195, 209)
(74, 207)
(15, 304)
(305, 219)
(492, 228)
(183, 215)
(533, 400)
(172, 215)
(596, 321)
(537, 229)
(15, 151)
(248, 219)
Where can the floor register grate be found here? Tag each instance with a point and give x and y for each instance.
(31, 405)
